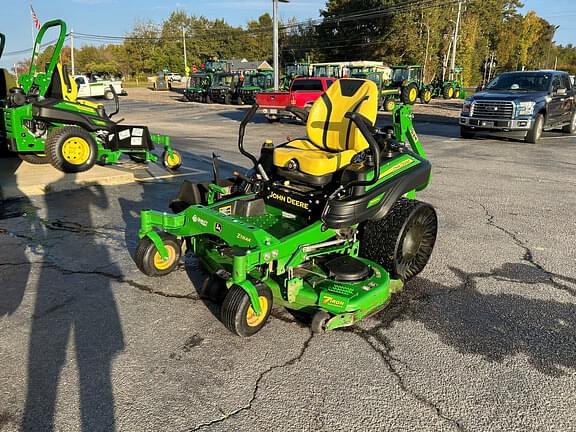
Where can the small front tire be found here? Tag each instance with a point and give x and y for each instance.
(319, 321)
(148, 259)
(172, 162)
(238, 315)
(389, 104)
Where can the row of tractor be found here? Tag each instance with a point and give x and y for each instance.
(216, 83)
(44, 122)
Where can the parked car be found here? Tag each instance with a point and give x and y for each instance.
(173, 77)
(521, 104)
(98, 88)
(302, 94)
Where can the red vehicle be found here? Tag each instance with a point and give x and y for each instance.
(302, 94)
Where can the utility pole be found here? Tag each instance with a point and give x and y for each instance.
(185, 57)
(276, 57)
(456, 29)
(72, 52)
(426, 55)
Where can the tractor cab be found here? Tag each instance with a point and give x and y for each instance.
(224, 88)
(198, 85)
(254, 83)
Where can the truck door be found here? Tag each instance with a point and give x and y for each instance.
(556, 105)
(83, 87)
(569, 102)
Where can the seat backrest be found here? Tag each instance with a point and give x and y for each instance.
(327, 127)
(62, 86)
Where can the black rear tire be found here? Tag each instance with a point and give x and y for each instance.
(34, 158)
(403, 240)
(466, 133)
(237, 313)
(148, 260)
(448, 91)
(82, 155)
(425, 96)
(214, 289)
(389, 104)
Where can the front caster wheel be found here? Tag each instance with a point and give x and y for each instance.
(319, 321)
(148, 258)
(238, 315)
(172, 162)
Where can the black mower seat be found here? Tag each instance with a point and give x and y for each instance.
(333, 140)
(6, 83)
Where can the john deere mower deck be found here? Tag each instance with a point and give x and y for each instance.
(326, 225)
(44, 123)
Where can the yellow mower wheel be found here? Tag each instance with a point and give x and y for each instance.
(149, 260)
(237, 313)
(172, 162)
(71, 149)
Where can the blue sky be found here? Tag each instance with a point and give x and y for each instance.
(116, 17)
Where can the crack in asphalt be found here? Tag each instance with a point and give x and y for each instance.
(248, 406)
(529, 255)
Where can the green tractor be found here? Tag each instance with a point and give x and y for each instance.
(326, 226)
(224, 88)
(198, 86)
(44, 123)
(406, 85)
(255, 83)
(295, 70)
(451, 88)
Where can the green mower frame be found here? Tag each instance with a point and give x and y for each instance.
(257, 252)
(71, 135)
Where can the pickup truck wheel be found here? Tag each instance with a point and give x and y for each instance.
(534, 134)
(108, 95)
(570, 128)
(466, 133)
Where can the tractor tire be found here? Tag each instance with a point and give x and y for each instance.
(534, 134)
(208, 99)
(34, 158)
(173, 162)
(425, 96)
(148, 259)
(448, 92)
(456, 94)
(409, 94)
(71, 149)
(108, 95)
(239, 101)
(227, 99)
(238, 315)
(466, 133)
(570, 128)
(389, 104)
(403, 240)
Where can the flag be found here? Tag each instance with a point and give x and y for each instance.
(35, 18)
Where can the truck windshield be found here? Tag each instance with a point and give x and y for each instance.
(520, 82)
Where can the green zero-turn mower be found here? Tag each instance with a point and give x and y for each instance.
(327, 226)
(43, 127)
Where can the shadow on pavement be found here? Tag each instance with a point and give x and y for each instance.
(80, 310)
(502, 325)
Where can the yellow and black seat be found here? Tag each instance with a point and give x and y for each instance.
(6, 83)
(332, 139)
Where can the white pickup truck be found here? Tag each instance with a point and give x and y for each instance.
(98, 88)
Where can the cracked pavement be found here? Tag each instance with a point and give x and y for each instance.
(483, 340)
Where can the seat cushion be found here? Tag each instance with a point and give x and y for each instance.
(311, 160)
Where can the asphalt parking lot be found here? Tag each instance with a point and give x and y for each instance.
(483, 340)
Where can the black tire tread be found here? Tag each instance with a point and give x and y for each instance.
(378, 239)
(234, 303)
(146, 246)
(34, 159)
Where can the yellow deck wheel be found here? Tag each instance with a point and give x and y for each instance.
(162, 264)
(76, 151)
(254, 320)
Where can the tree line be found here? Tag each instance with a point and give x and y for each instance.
(395, 31)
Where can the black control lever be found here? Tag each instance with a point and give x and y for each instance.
(116, 101)
(368, 130)
(247, 117)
